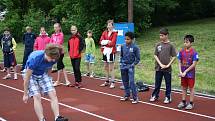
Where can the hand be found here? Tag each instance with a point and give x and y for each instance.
(25, 98)
(163, 66)
(180, 74)
(184, 74)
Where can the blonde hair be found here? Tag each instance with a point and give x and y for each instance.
(28, 28)
(110, 21)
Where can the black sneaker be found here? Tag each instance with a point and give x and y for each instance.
(124, 98)
(61, 118)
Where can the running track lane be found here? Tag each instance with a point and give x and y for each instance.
(110, 106)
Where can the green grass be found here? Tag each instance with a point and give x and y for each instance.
(204, 33)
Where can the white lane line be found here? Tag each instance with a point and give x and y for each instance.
(160, 106)
(1, 119)
(64, 105)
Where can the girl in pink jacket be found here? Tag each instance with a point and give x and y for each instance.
(58, 38)
(42, 40)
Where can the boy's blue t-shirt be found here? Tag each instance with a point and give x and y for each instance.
(36, 62)
(130, 55)
(186, 59)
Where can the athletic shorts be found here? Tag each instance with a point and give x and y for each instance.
(187, 82)
(111, 59)
(89, 58)
(41, 84)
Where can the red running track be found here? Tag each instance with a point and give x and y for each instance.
(94, 103)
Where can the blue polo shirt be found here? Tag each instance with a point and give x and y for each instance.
(36, 62)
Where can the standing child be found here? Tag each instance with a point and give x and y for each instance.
(28, 40)
(108, 48)
(58, 39)
(8, 45)
(42, 40)
(164, 55)
(37, 81)
(76, 46)
(89, 53)
(129, 57)
(188, 58)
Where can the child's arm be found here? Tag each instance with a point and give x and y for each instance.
(93, 47)
(14, 43)
(137, 54)
(170, 63)
(36, 45)
(26, 83)
(158, 61)
(190, 68)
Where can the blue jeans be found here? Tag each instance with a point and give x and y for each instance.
(128, 82)
(158, 80)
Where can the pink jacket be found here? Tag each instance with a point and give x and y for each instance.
(41, 42)
(58, 38)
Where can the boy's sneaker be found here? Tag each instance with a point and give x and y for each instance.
(167, 100)
(87, 74)
(104, 84)
(181, 105)
(189, 106)
(92, 75)
(135, 101)
(61, 118)
(8, 76)
(3, 70)
(79, 85)
(15, 77)
(67, 83)
(124, 98)
(153, 99)
(112, 85)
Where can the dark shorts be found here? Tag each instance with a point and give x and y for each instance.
(9, 59)
(60, 64)
(111, 59)
(187, 82)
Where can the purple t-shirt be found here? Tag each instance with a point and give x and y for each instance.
(186, 59)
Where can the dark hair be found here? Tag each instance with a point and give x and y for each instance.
(189, 37)
(164, 31)
(89, 31)
(130, 35)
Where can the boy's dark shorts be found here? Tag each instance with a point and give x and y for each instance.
(9, 59)
(112, 58)
(187, 82)
(60, 64)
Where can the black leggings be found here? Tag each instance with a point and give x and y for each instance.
(60, 64)
(76, 68)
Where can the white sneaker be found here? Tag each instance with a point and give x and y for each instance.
(152, 99)
(181, 105)
(92, 75)
(135, 101)
(167, 100)
(112, 85)
(189, 106)
(104, 84)
(124, 98)
(15, 77)
(8, 76)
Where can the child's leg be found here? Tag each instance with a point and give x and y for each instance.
(77, 71)
(132, 83)
(125, 80)
(65, 76)
(54, 103)
(192, 93)
(38, 106)
(158, 80)
(168, 78)
(184, 93)
(112, 72)
(91, 68)
(88, 67)
(106, 68)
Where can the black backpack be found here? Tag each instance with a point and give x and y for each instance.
(142, 87)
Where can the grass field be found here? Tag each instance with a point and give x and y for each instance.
(204, 33)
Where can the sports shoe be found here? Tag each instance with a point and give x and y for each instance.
(167, 100)
(87, 74)
(8, 76)
(124, 98)
(181, 105)
(189, 106)
(67, 83)
(79, 85)
(61, 118)
(104, 84)
(153, 99)
(15, 77)
(3, 70)
(135, 101)
(92, 75)
(112, 85)
(56, 84)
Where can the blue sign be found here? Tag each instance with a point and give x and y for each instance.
(122, 28)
